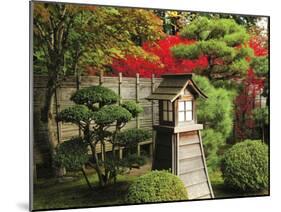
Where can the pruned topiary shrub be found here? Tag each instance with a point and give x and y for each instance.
(157, 186)
(102, 121)
(71, 154)
(132, 107)
(245, 166)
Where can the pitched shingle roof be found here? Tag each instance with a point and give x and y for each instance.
(172, 86)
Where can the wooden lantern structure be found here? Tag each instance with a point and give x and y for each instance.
(178, 143)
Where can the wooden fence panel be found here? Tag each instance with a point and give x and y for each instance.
(129, 88)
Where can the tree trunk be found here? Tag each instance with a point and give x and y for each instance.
(86, 178)
(97, 167)
(47, 117)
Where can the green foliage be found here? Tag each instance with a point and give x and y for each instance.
(260, 66)
(157, 186)
(111, 113)
(182, 51)
(95, 94)
(244, 52)
(261, 69)
(133, 160)
(217, 49)
(131, 137)
(260, 115)
(71, 154)
(132, 107)
(203, 28)
(216, 113)
(95, 113)
(196, 30)
(212, 142)
(217, 39)
(240, 65)
(245, 166)
(75, 114)
(91, 35)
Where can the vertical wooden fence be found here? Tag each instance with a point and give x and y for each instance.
(129, 88)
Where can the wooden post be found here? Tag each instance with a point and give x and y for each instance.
(173, 155)
(101, 149)
(205, 165)
(101, 80)
(120, 87)
(152, 146)
(152, 102)
(137, 98)
(78, 79)
(120, 153)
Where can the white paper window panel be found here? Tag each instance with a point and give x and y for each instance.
(170, 116)
(165, 116)
(188, 115)
(170, 106)
(181, 116)
(181, 106)
(188, 105)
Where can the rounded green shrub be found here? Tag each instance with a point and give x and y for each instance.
(111, 113)
(95, 94)
(157, 186)
(131, 137)
(75, 114)
(71, 154)
(245, 166)
(132, 107)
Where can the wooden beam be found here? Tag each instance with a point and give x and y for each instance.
(137, 98)
(205, 165)
(120, 87)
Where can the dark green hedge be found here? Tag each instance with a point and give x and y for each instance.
(245, 166)
(157, 186)
(71, 154)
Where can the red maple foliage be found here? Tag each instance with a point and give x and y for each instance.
(256, 44)
(130, 65)
(245, 102)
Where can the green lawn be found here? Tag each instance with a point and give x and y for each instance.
(50, 193)
(53, 194)
(220, 191)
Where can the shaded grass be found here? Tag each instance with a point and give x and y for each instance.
(50, 193)
(53, 194)
(221, 191)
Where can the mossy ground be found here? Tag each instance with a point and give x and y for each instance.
(51, 194)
